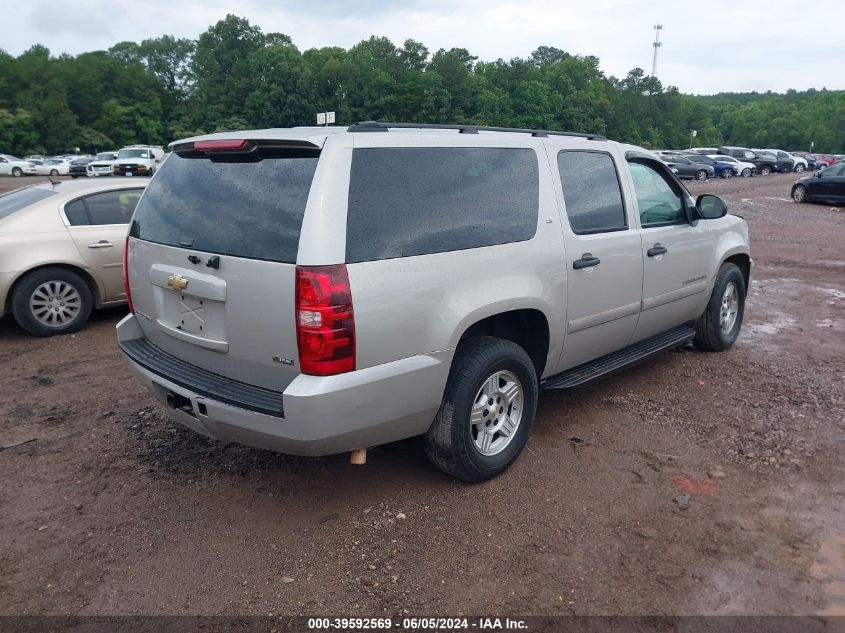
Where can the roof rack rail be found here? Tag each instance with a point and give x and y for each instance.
(377, 126)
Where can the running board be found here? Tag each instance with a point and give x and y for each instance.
(616, 360)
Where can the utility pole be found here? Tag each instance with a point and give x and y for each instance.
(657, 44)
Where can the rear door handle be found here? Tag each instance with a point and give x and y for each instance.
(657, 249)
(101, 244)
(587, 261)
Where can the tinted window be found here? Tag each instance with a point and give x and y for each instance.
(17, 200)
(831, 172)
(591, 192)
(245, 209)
(701, 159)
(749, 154)
(108, 207)
(415, 201)
(659, 201)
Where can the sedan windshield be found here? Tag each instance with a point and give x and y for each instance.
(20, 198)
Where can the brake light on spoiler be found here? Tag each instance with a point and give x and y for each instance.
(219, 144)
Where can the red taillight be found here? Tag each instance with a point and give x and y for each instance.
(126, 276)
(325, 324)
(206, 146)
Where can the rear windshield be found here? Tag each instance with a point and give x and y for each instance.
(17, 200)
(243, 209)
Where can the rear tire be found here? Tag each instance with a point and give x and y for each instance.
(17, 172)
(727, 173)
(701, 175)
(485, 370)
(799, 168)
(54, 172)
(718, 328)
(746, 173)
(765, 170)
(51, 301)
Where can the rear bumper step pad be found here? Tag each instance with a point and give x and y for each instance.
(203, 382)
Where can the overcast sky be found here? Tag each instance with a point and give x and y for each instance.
(708, 47)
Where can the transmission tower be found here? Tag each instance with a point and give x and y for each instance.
(657, 44)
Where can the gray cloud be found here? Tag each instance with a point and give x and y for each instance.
(775, 45)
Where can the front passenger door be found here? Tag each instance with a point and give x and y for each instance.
(677, 256)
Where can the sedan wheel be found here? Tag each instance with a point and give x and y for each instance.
(54, 172)
(765, 170)
(799, 194)
(799, 168)
(701, 175)
(727, 173)
(746, 173)
(51, 301)
(17, 172)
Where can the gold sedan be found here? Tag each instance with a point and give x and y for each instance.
(61, 251)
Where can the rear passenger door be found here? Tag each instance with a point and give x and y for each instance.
(676, 255)
(98, 224)
(603, 257)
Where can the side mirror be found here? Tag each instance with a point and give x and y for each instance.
(710, 207)
(671, 164)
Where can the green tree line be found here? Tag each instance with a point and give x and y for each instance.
(237, 76)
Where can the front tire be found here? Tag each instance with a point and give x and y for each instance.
(17, 172)
(52, 301)
(746, 173)
(799, 193)
(701, 175)
(799, 168)
(718, 328)
(487, 411)
(727, 173)
(765, 170)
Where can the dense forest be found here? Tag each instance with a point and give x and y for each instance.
(237, 76)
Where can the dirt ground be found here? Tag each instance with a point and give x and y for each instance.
(112, 509)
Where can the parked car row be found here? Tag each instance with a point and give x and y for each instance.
(134, 160)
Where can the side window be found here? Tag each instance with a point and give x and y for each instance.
(748, 154)
(591, 192)
(108, 207)
(659, 200)
(416, 201)
(76, 214)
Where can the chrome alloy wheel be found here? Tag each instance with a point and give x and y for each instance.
(496, 413)
(729, 308)
(55, 304)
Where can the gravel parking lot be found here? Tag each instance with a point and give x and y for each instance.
(108, 508)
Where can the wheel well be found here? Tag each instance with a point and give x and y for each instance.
(743, 262)
(527, 328)
(92, 285)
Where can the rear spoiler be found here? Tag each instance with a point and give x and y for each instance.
(244, 149)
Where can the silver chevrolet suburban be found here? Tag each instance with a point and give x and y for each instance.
(320, 290)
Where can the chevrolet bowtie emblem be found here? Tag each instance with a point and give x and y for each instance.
(177, 282)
